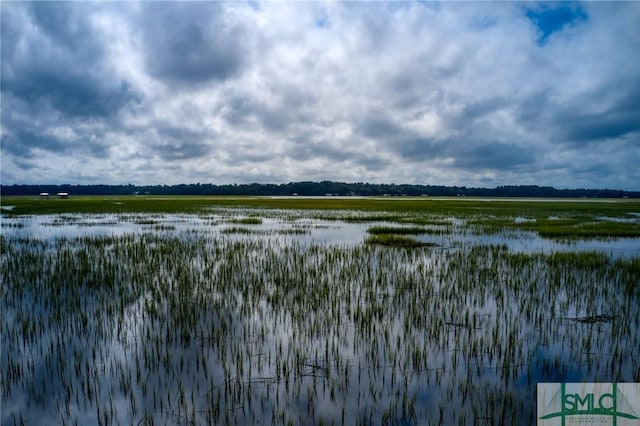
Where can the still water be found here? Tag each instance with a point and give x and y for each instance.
(306, 227)
(294, 319)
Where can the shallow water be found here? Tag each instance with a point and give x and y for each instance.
(168, 319)
(303, 227)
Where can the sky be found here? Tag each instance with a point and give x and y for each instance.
(438, 93)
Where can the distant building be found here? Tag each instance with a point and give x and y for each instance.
(63, 195)
(44, 195)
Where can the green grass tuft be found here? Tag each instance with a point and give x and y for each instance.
(236, 230)
(411, 230)
(247, 221)
(391, 240)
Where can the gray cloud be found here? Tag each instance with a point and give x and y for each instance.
(378, 126)
(182, 150)
(594, 127)
(31, 129)
(64, 24)
(191, 42)
(617, 119)
(606, 112)
(22, 143)
(52, 56)
(244, 111)
(72, 93)
(417, 149)
(174, 143)
(457, 93)
(496, 156)
(288, 106)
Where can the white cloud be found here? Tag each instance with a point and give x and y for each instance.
(433, 93)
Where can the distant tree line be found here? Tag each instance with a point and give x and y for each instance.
(317, 189)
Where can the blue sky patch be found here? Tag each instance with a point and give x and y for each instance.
(551, 18)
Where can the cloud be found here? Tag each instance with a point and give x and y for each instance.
(32, 129)
(182, 150)
(190, 43)
(492, 156)
(377, 126)
(52, 56)
(616, 118)
(177, 143)
(434, 93)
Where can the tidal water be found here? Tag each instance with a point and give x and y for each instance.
(293, 318)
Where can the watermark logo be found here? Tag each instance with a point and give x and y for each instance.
(573, 404)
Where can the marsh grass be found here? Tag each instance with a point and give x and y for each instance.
(560, 228)
(558, 219)
(247, 221)
(426, 220)
(237, 230)
(404, 230)
(13, 225)
(393, 240)
(601, 229)
(583, 260)
(196, 327)
(266, 232)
